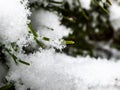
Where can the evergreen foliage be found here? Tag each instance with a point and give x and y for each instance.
(90, 27)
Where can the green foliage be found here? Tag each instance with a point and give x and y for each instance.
(97, 3)
(89, 26)
(69, 42)
(84, 33)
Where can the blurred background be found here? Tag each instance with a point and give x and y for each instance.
(94, 23)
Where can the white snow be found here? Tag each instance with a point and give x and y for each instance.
(13, 20)
(3, 73)
(49, 70)
(48, 25)
(85, 4)
(115, 15)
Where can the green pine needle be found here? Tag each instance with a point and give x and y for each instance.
(106, 11)
(69, 42)
(109, 2)
(23, 62)
(39, 43)
(12, 55)
(32, 30)
(83, 12)
(46, 38)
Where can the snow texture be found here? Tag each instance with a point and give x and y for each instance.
(13, 20)
(49, 70)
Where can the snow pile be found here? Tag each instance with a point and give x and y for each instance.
(13, 20)
(49, 70)
(85, 4)
(47, 24)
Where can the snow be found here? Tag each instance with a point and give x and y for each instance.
(3, 73)
(13, 20)
(115, 15)
(49, 70)
(47, 26)
(85, 4)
